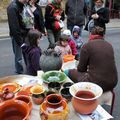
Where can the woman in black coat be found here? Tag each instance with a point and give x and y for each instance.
(38, 15)
(99, 16)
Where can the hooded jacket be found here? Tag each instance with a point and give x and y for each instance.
(75, 11)
(78, 41)
(32, 56)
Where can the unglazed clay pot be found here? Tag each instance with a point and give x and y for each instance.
(85, 97)
(14, 110)
(50, 60)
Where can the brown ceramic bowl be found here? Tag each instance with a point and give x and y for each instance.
(25, 99)
(38, 94)
(85, 96)
(14, 110)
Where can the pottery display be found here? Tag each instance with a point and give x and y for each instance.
(53, 108)
(38, 94)
(50, 60)
(25, 99)
(85, 96)
(14, 110)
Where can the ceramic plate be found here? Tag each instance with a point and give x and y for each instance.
(54, 76)
(12, 87)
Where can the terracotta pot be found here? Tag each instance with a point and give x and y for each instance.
(85, 97)
(54, 100)
(14, 110)
(25, 99)
(54, 107)
(83, 106)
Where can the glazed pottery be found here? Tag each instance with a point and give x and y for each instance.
(69, 57)
(25, 99)
(67, 84)
(50, 60)
(66, 94)
(85, 96)
(12, 87)
(54, 107)
(54, 76)
(14, 110)
(38, 94)
(54, 86)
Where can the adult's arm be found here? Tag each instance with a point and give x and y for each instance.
(84, 59)
(14, 25)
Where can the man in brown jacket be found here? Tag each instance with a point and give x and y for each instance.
(97, 63)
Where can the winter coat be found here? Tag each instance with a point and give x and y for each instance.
(63, 50)
(16, 26)
(75, 11)
(73, 47)
(78, 41)
(103, 18)
(50, 18)
(32, 56)
(97, 65)
(38, 19)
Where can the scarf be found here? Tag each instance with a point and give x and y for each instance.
(94, 37)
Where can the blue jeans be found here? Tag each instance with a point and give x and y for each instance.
(18, 56)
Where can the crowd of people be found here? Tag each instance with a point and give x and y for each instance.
(27, 24)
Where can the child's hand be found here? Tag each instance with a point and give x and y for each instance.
(58, 17)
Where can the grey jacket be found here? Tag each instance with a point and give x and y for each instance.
(75, 11)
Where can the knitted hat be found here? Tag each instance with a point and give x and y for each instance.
(67, 32)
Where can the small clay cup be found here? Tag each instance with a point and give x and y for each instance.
(38, 94)
(67, 84)
(54, 86)
(66, 94)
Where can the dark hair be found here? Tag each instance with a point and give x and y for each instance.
(32, 37)
(37, 1)
(98, 31)
(100, 0)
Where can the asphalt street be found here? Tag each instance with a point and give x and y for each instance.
(112, 36)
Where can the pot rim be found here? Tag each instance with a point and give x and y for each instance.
(85, 99)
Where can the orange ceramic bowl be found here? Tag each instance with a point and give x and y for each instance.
(67, 58)
(14, 110)
(26, 99)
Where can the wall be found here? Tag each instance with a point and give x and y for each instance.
(3, 7)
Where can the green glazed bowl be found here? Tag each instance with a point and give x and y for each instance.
(54, 76)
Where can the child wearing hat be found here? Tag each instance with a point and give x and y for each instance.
(62, 45)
